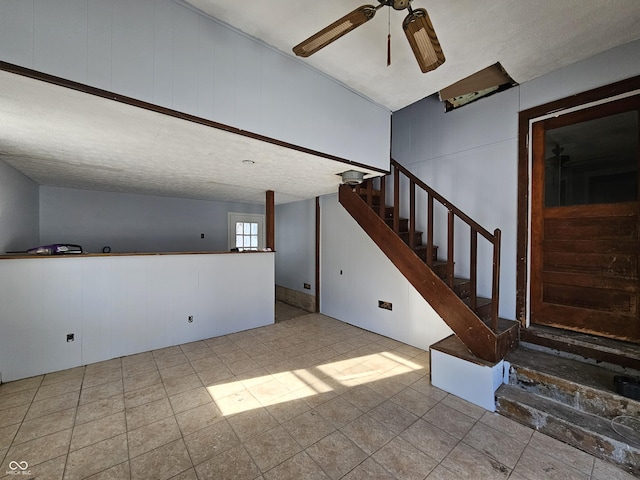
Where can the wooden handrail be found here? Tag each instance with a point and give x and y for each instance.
(453, 212)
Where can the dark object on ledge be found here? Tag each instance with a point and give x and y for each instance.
(54, 249)
(627, 386)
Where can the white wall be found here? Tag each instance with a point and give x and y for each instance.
(162, 52)
(355, 274)
(295, 245)
(470, 155)
(134, 223)
(18, 210)
(121, 305)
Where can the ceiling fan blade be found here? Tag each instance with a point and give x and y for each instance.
(422, 38)
(334, 31)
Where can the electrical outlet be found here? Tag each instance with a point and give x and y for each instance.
(385, 305)
(70, 337)
(307, 286)
(190, 319)
(202, 235)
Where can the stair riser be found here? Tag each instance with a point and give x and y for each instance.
(625, 455)
(581, 397)
(422, 253)
(404, 223)
(417, 238)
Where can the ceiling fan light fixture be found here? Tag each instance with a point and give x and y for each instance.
(334, 31)
(423, 40)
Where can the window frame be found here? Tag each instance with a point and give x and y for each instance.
(234, 217)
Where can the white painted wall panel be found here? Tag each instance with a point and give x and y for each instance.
(124, 305)
(134, 223)
(19, 210)
(295, 245)
(368, 276)
(16, 32)
(61, 51)
(99, 43)
(159, 51)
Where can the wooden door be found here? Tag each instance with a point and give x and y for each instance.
(584, 214)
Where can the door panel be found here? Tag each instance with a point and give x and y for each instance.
(584, 244)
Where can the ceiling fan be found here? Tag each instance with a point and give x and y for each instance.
(417, 27)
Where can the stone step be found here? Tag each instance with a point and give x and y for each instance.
(580, 385)
(613, 440)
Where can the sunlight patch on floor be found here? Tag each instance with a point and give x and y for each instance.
(272, 389)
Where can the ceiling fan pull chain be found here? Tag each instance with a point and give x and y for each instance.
(389, 40)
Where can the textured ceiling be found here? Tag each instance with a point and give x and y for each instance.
(529, 38)
(46, 135)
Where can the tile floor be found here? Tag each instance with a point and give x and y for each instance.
(307, 398)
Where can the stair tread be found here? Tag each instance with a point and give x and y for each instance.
(593, 376)
(584, 420)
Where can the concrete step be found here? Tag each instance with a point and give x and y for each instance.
(575, 402)
(616, 441)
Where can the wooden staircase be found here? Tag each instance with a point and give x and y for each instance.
(473, 319)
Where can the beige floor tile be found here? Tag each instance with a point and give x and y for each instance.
(162, 463)
(393, 416)
(534, 465)
(20, 385)
(13, 415)
(369, 470)
(191, 346)
(387, 387)
(308, 428)
(164, 362)
(167, 352)
(241, 401)
(198, 418)
(7, 434)
(367, 433)
(425, 387)
(117, 472)
(271, 448)
(40, 427)
(137, 358)
(63, 375)
(498, 446)
(100, 392)
(561, 451)
(234, 464)
(113, 364)
(152, 436)
(145, 379)
(51, 405)
(16, 399)
(338, 412)
(189, 399)
(403, 460)
(469, 409)
(102, 408)
(336, 455)
(289, 407)
(107, 375)
(468, 463)
(414, 401)
(252, 423)
(508, 427)
(152, 393)
(450, 420)
(176, 385)
(176, 371)
(96, 458)
(430, 439)
(58, 388)
(186, 475)
(298, 467)
(51, 469)
(148, 413)
(210, 441)
(441, 473)
(95, 431)
(133, 369)
(605, 471)
(363, 398)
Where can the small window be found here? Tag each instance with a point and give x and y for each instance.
(246, 231)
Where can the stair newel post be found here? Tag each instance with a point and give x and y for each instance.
(450, 242)
(369, 191)
(412, 214)
(473, 273)
(495, 293)
(429, 229)
(383, 196)
(396, 200)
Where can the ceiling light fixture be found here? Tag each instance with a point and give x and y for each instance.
(248, 162)
(352, 177)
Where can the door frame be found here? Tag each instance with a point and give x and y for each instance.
(526, 118)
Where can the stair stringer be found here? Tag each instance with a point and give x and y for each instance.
(472, 331)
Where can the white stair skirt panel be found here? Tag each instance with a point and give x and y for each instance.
(471, 381)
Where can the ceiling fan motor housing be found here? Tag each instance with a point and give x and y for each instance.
(396, 4)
